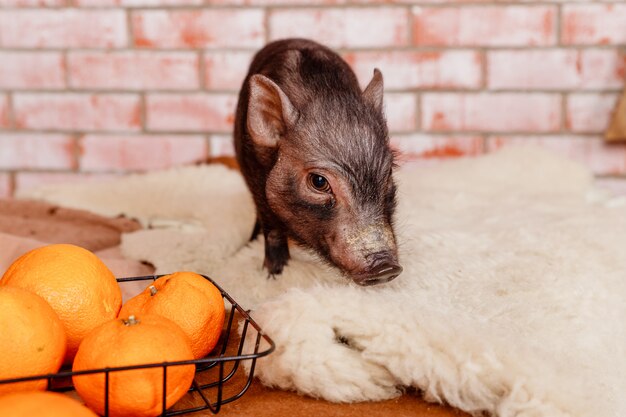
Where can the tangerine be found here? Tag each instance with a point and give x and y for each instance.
(33, 341)
(130, 341)
(189, 300)
(75, 282)
(42, 404)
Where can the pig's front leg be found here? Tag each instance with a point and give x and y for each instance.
(276, 251)
(256, 230)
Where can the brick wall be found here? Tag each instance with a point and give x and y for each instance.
(92, 88)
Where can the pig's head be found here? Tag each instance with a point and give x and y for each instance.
(331, 181)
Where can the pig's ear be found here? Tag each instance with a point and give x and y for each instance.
(373, 93)
(270, 112)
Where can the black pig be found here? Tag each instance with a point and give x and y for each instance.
(314, 151)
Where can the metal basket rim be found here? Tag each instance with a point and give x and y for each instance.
(208, 359)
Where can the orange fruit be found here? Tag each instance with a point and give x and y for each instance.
(78, 286)
(32, 339)
(189, 300)
(42, 404)
(134, 341)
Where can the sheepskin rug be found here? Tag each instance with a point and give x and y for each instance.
(512, 301)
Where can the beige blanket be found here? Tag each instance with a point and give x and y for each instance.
(511, 302)
(47, 223)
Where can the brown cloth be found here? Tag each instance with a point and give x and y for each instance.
(25, 225)
(617, 127)
(54, 224)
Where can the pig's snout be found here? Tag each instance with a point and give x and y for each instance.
(383, 273)
(384, 269)
(366, 254)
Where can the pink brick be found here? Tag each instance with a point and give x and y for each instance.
(136, 3)
(32, 3)
(108, 112)
(590, 113)
(31, 70)
(556, 69)
(130, 153)
(62, 28)
(409, 69)
(345, 27)
(226, 70)
(221, 145)
(601, 158)
(36, 151)
(4, 111)
(401, 111)
(28, 180)
(191, 113)
(228, 28)
(419, 147)
(587, 24)
(448, 2)
(282, 2)
(5, 185)
(604, 68)
(491, 112)
(133, 70)
(484, 25)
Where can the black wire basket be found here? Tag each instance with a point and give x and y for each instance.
(220, 377)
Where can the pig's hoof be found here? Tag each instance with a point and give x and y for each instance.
(255, 231)
(274, 268)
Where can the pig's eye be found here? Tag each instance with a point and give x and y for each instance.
(319, 183)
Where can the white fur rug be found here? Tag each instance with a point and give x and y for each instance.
(513, 299)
